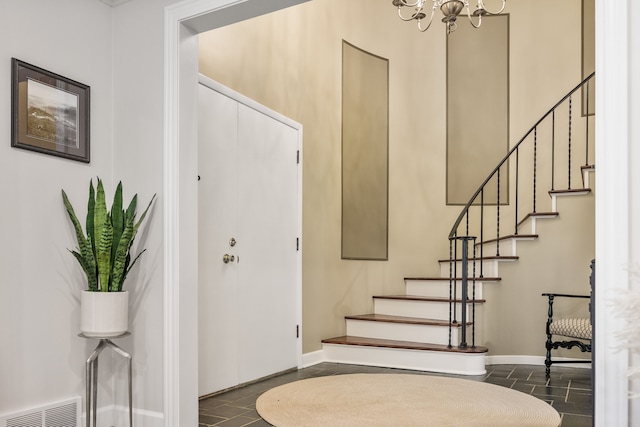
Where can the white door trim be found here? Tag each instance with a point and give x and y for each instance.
(613, 154)
(183, 21)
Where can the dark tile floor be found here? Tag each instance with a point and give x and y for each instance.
(568, 391)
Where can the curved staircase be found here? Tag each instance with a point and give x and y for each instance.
(422, 329)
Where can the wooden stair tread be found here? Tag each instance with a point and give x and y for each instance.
(511, 236)
(407, 345)
(423, 298)
(402, 319)
(570, 191)
(486, 258)
(478, 279)
(538, 215)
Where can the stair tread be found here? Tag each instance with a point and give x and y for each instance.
(402, 319)
(408, 345)
(538, 215)
(423, 298)
(510, 236)
(478, 279)
(570, 191)
(487, 258)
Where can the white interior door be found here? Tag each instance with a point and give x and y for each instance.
(248, 307)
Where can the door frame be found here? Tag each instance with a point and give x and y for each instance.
(260, 108)
(183, 21)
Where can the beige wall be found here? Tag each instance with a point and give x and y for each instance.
(291, 62)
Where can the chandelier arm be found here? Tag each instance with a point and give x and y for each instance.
(422, 30)
(406, 3)
(481, 5)
(406, 19)
(471, 19)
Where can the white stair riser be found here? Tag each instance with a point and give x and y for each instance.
(489, 268)
(507, 248)
(412, 308)
(404, 332)
(529, 226)
(439, 288)
(419, 360)
(586, 178)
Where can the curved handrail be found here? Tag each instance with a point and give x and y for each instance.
(473, 198)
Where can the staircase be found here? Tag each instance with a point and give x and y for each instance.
(423, 329)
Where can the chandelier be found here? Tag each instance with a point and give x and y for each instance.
(450, 9)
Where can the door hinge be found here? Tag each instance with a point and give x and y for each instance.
(297, 243)
(298, 157)
(297, 331)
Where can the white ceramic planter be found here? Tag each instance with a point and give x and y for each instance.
(104, 314)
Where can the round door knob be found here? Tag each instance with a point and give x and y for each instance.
(226, 258)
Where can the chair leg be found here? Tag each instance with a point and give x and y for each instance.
(547, 360)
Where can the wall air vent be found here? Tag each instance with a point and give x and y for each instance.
(60, 414)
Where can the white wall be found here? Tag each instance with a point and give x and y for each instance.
(41, 356)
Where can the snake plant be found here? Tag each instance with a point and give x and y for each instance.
(105, 252)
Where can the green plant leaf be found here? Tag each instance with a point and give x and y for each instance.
(85, 257)
(89, 269)
(122, 252)
(144, 214)
(91, 205)
(117, 220)
(103, 256)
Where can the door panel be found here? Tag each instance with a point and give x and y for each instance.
(247, 308)
(217, 284)
(267, 210)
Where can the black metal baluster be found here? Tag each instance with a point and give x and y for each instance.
(498, 218)
(553, 149)
(451, 284)
(467, 227)
(586, 150)
(455, 277)
(517, 179)
(569, 165)
(473, 298)
(465, 281)
(481, 229)
(535, 165)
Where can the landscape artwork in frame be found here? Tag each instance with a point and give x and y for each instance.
(50, 113)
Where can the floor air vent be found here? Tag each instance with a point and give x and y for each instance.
(60, 414)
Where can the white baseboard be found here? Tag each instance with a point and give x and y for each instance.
(313, 358)
(119, 416)
(533, 360)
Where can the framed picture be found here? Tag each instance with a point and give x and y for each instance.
(49, 113)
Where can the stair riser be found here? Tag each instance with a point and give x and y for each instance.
(404, 332)
(530, 225)
(423, 309)
(507, 248)
(439, 288)
(489, 268)
(419, 360)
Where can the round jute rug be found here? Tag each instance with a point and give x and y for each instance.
(373, 400)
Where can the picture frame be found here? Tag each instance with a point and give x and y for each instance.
(49, 112)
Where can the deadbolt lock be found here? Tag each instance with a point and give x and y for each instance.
(232, 242)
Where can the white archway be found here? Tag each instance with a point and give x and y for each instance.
(184, 20)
